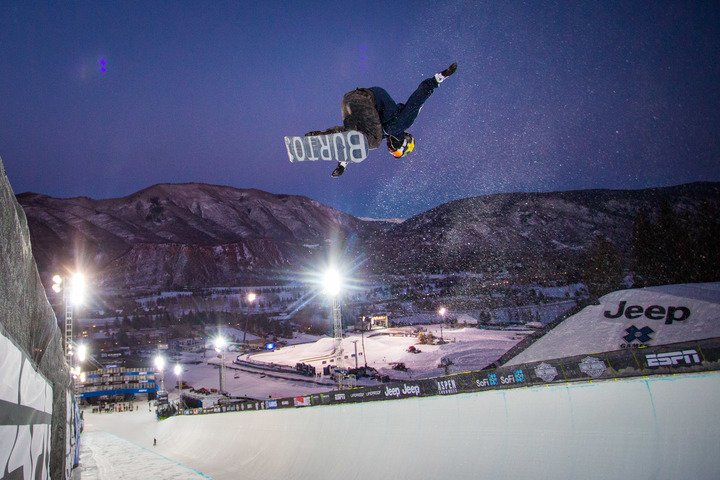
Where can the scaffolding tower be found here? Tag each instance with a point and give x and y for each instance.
(68, 325)
(337, 327)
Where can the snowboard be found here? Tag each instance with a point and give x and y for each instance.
(350, 146)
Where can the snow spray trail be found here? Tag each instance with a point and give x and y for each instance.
(659, 427)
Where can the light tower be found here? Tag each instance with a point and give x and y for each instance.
(220, 344)
(160, 367)
(442, 311)
(73, 292)
(333, 283)
(178, 372)
(250, 299)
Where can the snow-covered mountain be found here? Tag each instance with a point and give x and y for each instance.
(205, 235)
(182, 235)
(527, 234)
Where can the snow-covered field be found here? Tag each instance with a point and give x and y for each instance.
(260, 385)
(469, 348)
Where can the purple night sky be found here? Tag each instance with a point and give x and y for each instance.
(105, 98)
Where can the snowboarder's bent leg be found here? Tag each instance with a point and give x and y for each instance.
(384, 104)
(409, 112)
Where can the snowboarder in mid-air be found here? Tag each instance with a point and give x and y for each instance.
(372, 112)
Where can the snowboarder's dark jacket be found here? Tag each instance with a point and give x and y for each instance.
(374, 113)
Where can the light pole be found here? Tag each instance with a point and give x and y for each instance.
(160, 366)
(73, 290)
(362, 337)
(333, 284)
(442, 311)
(178, 372)
(356, 360)
(250, 298)
(220, 344)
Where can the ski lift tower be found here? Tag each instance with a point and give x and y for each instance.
(333, 283)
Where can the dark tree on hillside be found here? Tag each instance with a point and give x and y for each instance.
(675, 248)
(643, 248)
(706, 244)
(602, 267)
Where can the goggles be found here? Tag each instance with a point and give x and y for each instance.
(404, 149)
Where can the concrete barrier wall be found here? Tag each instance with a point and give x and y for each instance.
(28, 322)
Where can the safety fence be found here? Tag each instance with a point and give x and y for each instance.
(686, 357)
(39, 426)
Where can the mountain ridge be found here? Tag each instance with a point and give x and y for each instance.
(198, 234)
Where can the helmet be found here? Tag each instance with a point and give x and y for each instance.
(401, 147)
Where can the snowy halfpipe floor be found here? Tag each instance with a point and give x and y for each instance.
(660, 427)
(106, 456)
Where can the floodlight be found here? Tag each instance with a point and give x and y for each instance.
(251, 297)
(220, 343)
(442, 311)
(81, 352)
(178, 369)
(57, 283)
(160, 363)
(332, 282)
(77, 289)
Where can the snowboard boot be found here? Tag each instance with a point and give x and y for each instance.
(440, 77)
(339, 170)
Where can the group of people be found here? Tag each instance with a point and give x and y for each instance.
(113, 407)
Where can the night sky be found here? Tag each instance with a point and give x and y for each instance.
(105, 98)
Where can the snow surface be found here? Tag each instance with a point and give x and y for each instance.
(107, 456)
(469, 348)
(239, 383)
(589, 331)
(643, 428)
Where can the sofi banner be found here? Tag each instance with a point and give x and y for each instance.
(25, 415)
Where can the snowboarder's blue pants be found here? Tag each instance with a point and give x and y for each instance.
(396, 118)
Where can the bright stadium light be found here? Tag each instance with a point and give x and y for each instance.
(220, 343)
(332, 282)
(442, 311)
(77, 289)
(177, 370)
(251, 297)
(57, 283)
(160, 363)
(81, 352)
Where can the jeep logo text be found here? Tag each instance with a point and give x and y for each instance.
(653, 312)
